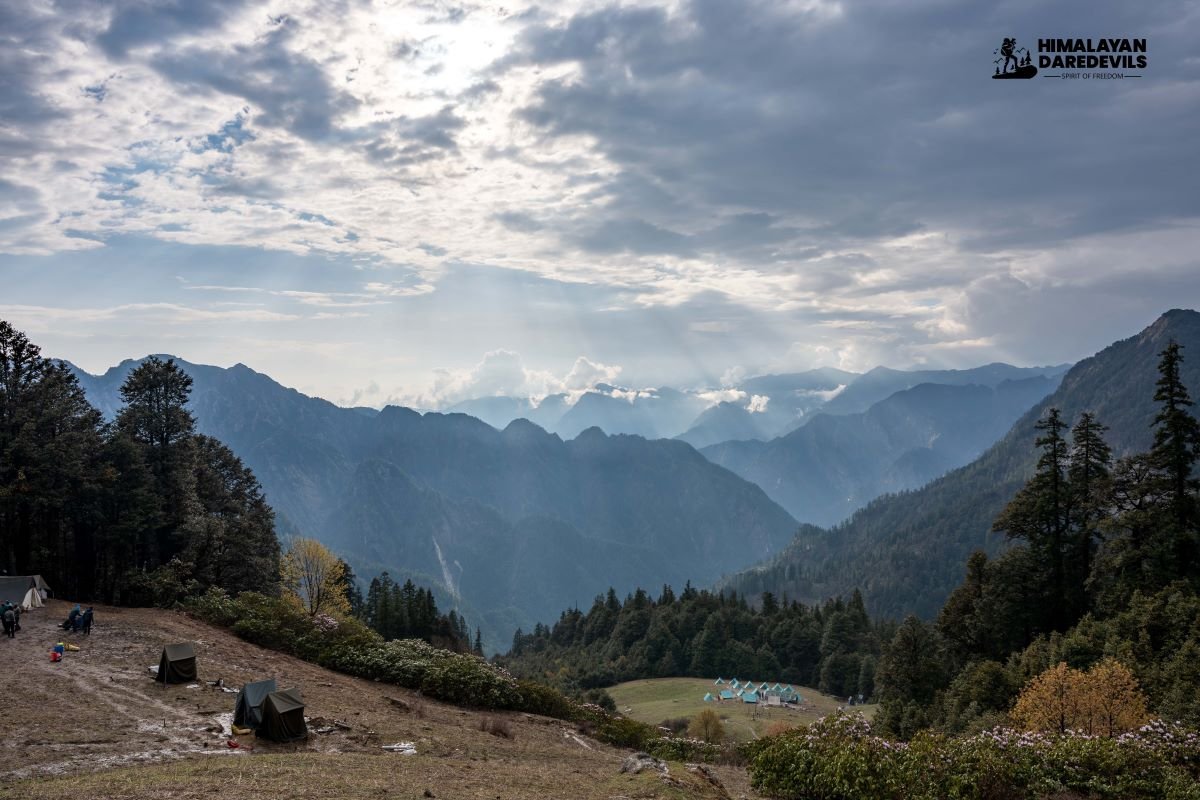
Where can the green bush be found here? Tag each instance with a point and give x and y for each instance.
(838, 758)
(537, 698)
(680, 748)
(470, 681)
(601, 698)
(215, 606)
(625, 732)
(348, 646)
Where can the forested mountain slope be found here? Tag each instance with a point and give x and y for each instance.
(835, 464)
(906, 551)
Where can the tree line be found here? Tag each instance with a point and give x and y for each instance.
(406, 611)
(137, 511)
(143, 510)
(833, 646)
(1105, 564)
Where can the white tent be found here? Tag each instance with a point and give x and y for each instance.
(14, 588)
(33, 599)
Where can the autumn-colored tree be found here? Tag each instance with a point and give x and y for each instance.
(312, 575)
(1104, 701)
(1051, 701)
(707, 726)
(1116, 703)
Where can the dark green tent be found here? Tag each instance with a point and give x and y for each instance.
(178, 664)
(248, 711)
(283, 717)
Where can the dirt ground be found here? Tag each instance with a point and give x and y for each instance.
(96, 725)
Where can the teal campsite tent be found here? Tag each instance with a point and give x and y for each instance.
(750, 697)
(719, 682)
(283, 717)
(248, 711)
(734, 683)
(726, 695)
(708, 697)
(178, 664)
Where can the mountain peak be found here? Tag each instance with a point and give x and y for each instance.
(590, 435)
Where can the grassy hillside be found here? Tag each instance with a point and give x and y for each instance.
(97, 726)
(653, 701)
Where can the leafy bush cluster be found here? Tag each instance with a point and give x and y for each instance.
(686, 749)
(838, 758)
(349, 646)
(616, 730)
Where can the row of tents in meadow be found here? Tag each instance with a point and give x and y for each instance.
(777, 694)
(273, 714)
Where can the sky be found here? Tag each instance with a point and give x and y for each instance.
(420, 202)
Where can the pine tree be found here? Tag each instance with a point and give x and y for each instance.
(1088, 476)
(911, 673)
(1174, 454)
(1176, 436)
(1040, 515)
(155, 416)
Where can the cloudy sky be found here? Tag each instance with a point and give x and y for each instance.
(421, 201)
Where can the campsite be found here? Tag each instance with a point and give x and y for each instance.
(653, 701)
(97, 725)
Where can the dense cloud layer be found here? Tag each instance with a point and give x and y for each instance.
(680, 188)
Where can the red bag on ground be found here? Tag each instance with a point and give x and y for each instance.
(55, 656)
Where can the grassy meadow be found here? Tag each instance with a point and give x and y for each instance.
(653, 701)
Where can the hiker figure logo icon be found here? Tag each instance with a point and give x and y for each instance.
(1019, 58)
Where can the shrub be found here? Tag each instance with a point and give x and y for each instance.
(679, 748)
(350, 647)
(707, 727)
(675, 725)
(537, 698)
(839, 758)
(470, 681)
(615, 730)
(215, 606)
(601, 698)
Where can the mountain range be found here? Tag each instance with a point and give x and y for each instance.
(764, 406)
(907, 551)
(513, 524)
(834, 464)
